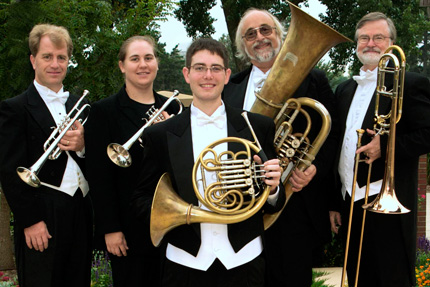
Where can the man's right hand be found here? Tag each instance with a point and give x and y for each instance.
(37, 235)
(335, 221)
(116, 243)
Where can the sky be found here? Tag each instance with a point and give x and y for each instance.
(173, 32)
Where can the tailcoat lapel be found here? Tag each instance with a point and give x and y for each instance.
(180, 148)
(39, 111)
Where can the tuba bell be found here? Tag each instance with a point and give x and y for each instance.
(290, 68)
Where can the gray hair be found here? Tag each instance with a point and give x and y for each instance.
(239, 41)
(375, 16)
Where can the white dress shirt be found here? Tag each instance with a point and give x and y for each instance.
(73, 177)
(255, 82)
(357, 111)
(214, 237)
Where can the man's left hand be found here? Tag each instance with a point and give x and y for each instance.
(300, 179)
(74, 138)
(273, 172)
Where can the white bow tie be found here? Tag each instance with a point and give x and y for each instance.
(366, 78)
(61, 97)
(218, 121)
(258, 80)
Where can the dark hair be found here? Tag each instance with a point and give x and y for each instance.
(209, 44)
(123, 50)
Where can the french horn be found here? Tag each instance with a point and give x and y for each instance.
(231, 184)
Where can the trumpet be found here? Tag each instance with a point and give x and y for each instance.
(119, 154)
(52, 151)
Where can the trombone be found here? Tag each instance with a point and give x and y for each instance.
(52, 151)
(386, 201)
(119, 154)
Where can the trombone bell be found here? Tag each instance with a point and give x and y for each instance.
(387, 203)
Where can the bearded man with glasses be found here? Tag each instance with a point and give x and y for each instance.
(295, 241)
(388, 249)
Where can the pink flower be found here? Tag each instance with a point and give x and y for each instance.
(1, 273)
(423, 196)
(6, 278)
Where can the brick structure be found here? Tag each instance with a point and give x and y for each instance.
(422, 196)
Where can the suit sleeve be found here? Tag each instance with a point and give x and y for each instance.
(413, 129)
(151, 171)
(23, 200)
(269, 149)
(325, 158)
(100, 171)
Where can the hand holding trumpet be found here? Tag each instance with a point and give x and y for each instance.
(74, 138)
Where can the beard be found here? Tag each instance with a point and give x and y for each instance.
(264, 56)
(370, 59)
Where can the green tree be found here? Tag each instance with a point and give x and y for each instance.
(169, 75)
(97, 27)
(342, 15)
(410, 20)
(194, 14)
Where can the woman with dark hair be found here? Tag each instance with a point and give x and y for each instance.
(116, 119)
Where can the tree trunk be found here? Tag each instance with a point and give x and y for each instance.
(6, 246)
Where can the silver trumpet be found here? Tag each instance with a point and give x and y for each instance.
(119, 154)
(52, 151)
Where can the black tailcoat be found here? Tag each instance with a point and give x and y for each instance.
(305, 222)
(25, 125)
(412, 140)
(168, 148)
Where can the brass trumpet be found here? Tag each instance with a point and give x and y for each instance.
(52, 151)
(386, 201)
(119, 154)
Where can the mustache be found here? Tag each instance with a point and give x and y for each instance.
(264, 41)
(371, 49)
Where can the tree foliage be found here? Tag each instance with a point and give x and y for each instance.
(97, 28)
(194, 14)
(342, 15)
(410, 20)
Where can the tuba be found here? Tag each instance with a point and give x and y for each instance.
(119, 154)
(290, 68)
(237, 193)
(52, 151)
(386, 201)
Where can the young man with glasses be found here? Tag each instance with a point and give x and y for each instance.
(389, 241)
(207, 254)
(304, 222)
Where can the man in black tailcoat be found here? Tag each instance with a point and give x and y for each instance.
(295, 240)
(388, 251)
(53, 223)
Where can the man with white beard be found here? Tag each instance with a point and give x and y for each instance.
(299, 233)
(388, 250)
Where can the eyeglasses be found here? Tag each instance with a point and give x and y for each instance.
(202, 69)
(265, 30)
(377, 39)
